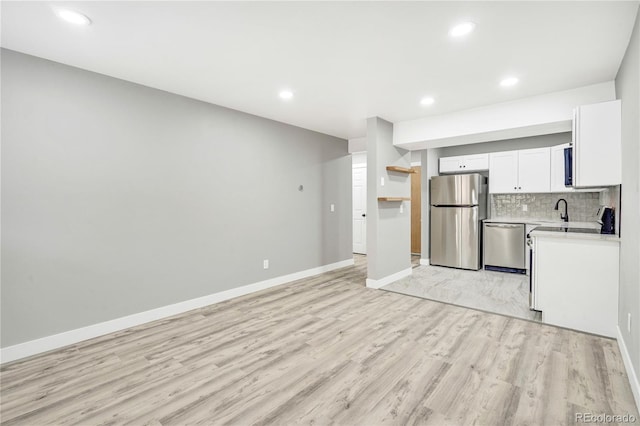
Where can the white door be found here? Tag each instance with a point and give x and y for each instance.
(534, 170)
(360, 210)
(503, 172)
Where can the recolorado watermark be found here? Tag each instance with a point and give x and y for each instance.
(604, 418)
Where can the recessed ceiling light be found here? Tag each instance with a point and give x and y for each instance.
(427, 101)
(286, 94)
(73, 17)
(462, 29)
(509, 81)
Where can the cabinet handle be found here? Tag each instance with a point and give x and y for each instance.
(515, 187)
(519, 187)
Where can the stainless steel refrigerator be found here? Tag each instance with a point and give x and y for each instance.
(458, 206)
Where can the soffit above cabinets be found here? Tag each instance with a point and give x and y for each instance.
(539, 115)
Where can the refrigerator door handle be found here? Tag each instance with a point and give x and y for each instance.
(458, 234)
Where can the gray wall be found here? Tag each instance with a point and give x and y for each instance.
(507, 145)
(118, 198)
(430, 163)
(388, 230)
(628, 89)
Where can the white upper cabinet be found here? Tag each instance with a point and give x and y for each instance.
(503, 172)
(464, 163)
(520, 171)
(475, 163)
(557, 169)
(534, 170)
(449, 165)
(597, 145)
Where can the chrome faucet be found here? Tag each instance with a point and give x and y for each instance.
(565, 216)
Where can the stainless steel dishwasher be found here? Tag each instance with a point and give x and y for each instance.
(504, 247)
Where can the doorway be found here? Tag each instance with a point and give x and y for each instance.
(416, 211)
(360, 209)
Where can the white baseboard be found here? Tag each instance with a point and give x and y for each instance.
(631, 373)
(424, 262)
(388, 279)
(44, 344)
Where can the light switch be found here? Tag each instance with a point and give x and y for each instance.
(382, 181)
(333, 207)
(401, 208)
(524, 208)
(265, 264)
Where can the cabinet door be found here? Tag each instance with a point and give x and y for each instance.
(450, 165)
(503, 172)
(577, 283)
(534, 170)
(474, 163)
(598, 145)
(557, 169)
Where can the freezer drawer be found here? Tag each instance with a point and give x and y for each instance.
(455, 237)
(504, 245)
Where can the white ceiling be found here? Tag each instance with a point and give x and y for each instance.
(344, 61)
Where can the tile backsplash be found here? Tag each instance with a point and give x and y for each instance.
(611, 197)
(582, 206)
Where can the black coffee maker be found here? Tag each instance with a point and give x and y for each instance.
(607, 218)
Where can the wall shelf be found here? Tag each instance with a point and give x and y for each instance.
(400, 169)
(394, 198)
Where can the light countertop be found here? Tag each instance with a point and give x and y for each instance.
(575, 235)
(547, 222)
(543, 222)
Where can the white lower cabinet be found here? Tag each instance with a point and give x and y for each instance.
(576, 282)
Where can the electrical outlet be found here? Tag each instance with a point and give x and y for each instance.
(382, 181)
(265, 264)
(629, 322)
(524, 208)
(333, 207)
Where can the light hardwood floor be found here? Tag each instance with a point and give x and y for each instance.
(318, 351)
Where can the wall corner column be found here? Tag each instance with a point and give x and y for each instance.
(388, 222)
